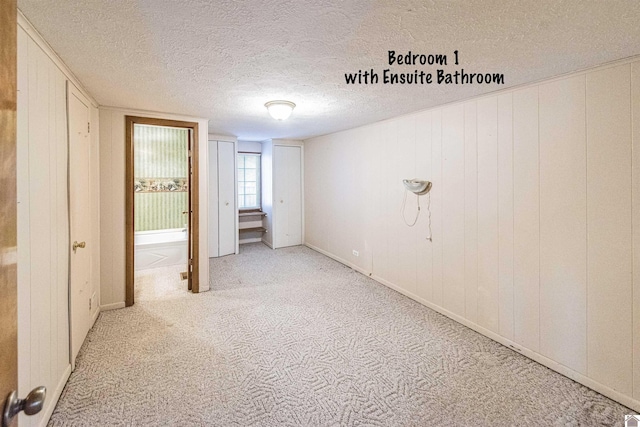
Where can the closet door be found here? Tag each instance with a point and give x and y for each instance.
(280, 197)
(294, 190)
(226, 198)
(287, 180)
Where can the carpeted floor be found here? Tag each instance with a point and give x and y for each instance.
(293, 338)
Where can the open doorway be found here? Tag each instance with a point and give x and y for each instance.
(162, 200)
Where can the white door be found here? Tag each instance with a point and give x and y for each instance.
(79, 210)
(227, 212)
(213, 198)
(287, 187)
(280, 197)
(294, 226)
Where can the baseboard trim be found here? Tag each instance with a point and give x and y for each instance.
(55, 396)
(340, 260)
(267, 243)
(113, 306)
(537, 357)
(95, 317)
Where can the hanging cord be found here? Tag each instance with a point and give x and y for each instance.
(404, 204)
(429, 238)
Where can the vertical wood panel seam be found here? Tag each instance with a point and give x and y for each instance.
(433, 176)
(539, 217)
(55, 204)
(52, 213)
(115, 183)
(633, 246)
(441, 212)
(430, 206)
(109, 199)
(415, 168)
(631, 215)
(464, 211)
(32, 93)
(464, 208)
(497, 135)
(586, 217)
(477, 215)
(59, 183)
(28, 200)
(513, 227)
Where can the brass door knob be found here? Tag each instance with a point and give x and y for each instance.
(77, 245)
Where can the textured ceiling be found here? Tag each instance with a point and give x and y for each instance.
(224, 59)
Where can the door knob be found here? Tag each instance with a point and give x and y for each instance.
(77, 245)
(31, 405)
(185, 212)
(226, 203)
(281, 201)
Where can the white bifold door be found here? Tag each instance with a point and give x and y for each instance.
(226, 198)
(287, 196)
(223, 212)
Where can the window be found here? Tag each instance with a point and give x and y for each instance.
(249, 181)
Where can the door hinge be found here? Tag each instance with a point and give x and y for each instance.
(88, 127)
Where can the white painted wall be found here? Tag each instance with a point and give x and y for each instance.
(249, 146)
(43, 220)
(534, 202)
(112, 201)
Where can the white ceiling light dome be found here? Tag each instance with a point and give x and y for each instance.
(280, 110)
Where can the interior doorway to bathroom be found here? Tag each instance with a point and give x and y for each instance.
(161, 201)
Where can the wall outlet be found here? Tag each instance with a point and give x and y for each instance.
(356, 253)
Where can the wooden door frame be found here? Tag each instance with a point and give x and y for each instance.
(8, 198)
(194, 214)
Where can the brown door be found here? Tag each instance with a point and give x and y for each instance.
(189, 214)
(8, 224)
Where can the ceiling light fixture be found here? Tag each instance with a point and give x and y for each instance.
(280, 110)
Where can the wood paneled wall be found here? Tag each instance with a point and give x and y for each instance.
(43, 233)
(534, 217)
(43, 219)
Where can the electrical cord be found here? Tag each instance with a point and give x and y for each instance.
(429, 211)
(415, 220)
(404, 204)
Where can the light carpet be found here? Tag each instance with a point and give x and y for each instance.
(292, 338)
